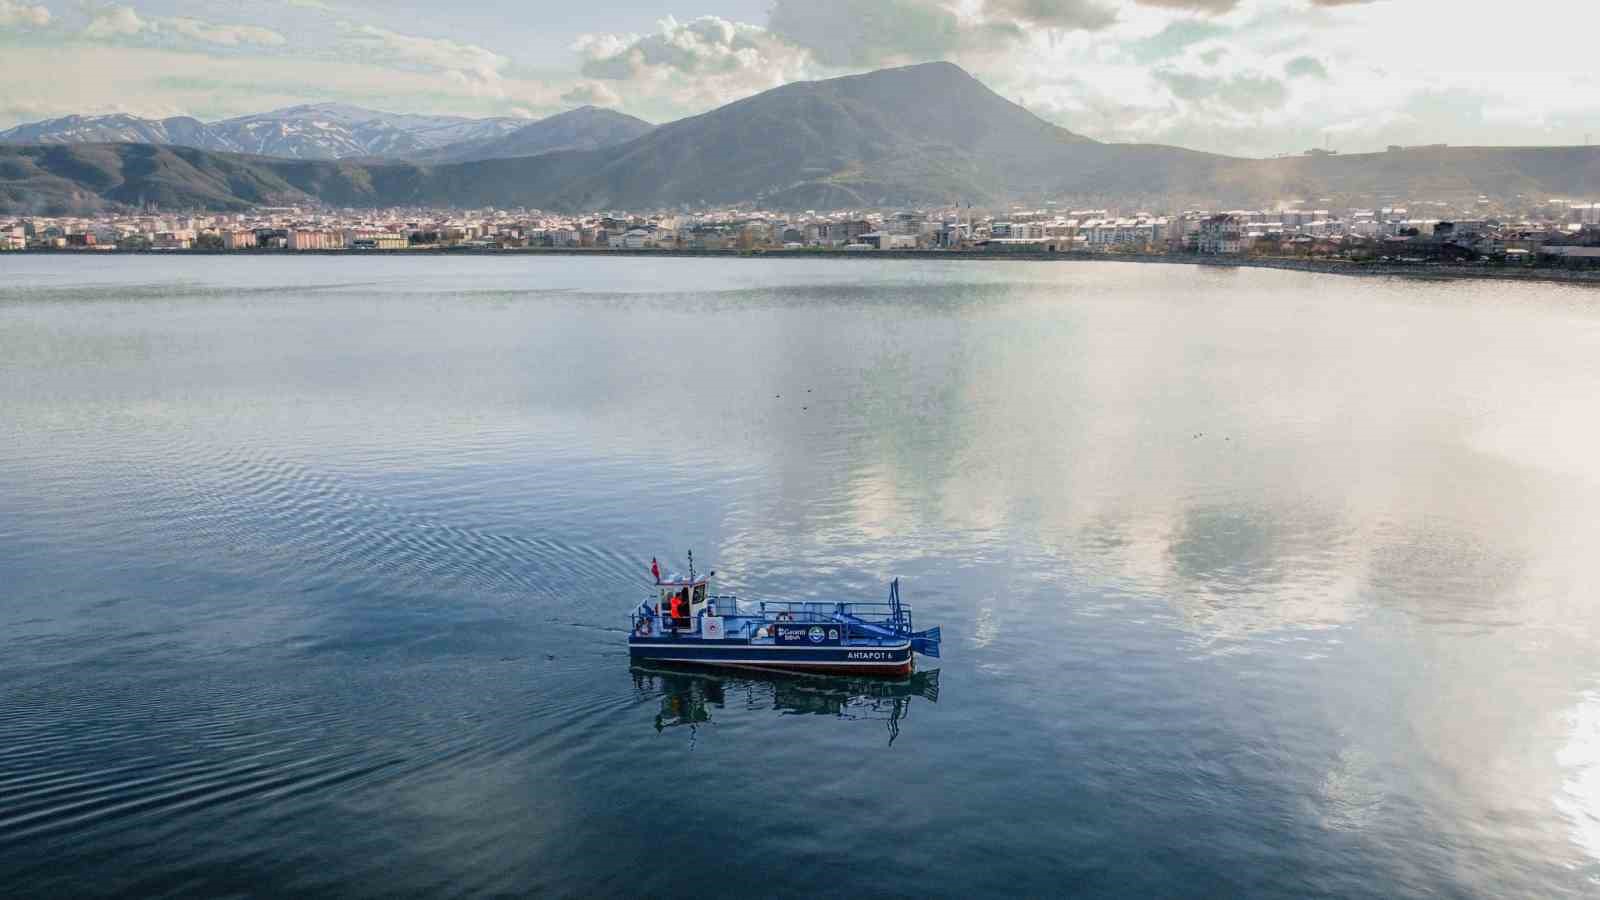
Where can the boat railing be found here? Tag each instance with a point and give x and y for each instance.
(892, 617)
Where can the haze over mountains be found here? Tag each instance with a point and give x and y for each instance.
(342, 131)
(920, 135)
(584, 128)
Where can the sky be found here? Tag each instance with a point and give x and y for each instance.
(1244, 77)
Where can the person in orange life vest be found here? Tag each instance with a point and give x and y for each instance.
(678, 608)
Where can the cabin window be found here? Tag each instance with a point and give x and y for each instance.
(681, 599)
(699, 593)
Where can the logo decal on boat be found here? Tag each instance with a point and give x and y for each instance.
(816, 634)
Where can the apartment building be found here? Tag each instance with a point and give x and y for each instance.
(1220, 234)
(307, 239)
(371, 239)
(172, 240)
(239, 240)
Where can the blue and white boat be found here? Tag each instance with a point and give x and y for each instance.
(685, 620)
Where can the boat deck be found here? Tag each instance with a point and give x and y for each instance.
(845, 636)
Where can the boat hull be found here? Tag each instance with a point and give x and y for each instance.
(889, 659)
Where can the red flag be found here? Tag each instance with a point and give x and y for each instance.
(655, 569)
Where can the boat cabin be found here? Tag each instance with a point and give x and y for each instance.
(680, 601)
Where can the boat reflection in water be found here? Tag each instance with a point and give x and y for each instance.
(689, 694)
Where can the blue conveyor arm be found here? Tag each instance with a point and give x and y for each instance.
(868, 627)
(924, 642)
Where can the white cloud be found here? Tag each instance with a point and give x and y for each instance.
(124, 21)
(225, 35)
(1076, 15)
(159, 82)
(707, 45)
(1210, 7)
(687, 67)
(1245, 92)
(466, 64)
(23, 15)
(592, 93)
(846, 33)
(118, 21)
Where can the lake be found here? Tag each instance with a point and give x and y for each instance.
(315, 574)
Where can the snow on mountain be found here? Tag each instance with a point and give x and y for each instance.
(339, 130)
(313, 131)
(180, 130)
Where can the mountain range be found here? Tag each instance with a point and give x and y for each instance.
(342, 131)
(584, 128)
(929, 134)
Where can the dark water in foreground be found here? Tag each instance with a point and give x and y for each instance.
(312, 575)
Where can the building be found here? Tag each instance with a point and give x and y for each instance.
(707, 237)
(369, 239)
(754, 234)
(633, 239)
(843, 233)
(1582, 243)
(881, 240)
(238, 240)
(1220, 234)
(952, 234)
(172, 240)
(273, 238)
(13, 238)
(306, 239)
(905, 223)
(1183, 230)
(1137, 233)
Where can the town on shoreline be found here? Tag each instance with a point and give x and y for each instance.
(1555, 238)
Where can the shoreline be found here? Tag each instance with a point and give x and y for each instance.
(1425, 271)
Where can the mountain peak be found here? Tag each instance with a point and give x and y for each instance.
(941, 71)
(932, 101)
(933, 66)
(344, 112)
(586, 127)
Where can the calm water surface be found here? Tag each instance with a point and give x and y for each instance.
(313, 575)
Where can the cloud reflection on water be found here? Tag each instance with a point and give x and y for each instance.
(1305, 525)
